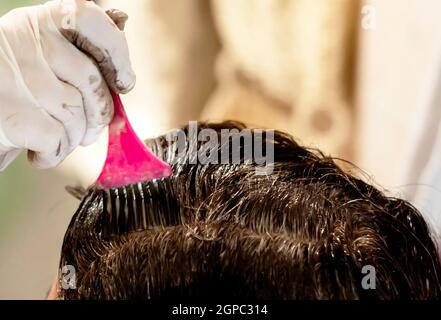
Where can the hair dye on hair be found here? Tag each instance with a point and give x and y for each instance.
(306, 231)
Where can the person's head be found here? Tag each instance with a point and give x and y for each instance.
(305, 230)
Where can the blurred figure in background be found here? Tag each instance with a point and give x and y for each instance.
(278, 64)
(398, 105)
(283, 64)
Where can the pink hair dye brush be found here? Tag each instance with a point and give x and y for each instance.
(128, 161)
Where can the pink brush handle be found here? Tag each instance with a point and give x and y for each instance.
(128, 159)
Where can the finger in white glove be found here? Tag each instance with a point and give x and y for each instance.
(57, 62)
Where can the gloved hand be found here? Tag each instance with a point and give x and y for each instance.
(57, 63)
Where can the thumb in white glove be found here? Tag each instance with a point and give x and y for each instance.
(57, 63)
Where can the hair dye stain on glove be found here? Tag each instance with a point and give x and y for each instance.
(128, 161)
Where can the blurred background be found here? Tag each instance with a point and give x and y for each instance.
(358, 79)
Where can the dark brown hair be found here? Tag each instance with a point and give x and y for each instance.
(303, 232)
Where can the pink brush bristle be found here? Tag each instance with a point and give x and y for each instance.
(128, 161)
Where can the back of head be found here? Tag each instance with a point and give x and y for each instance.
(308, 230)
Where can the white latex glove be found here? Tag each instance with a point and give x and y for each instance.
(57, 63)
